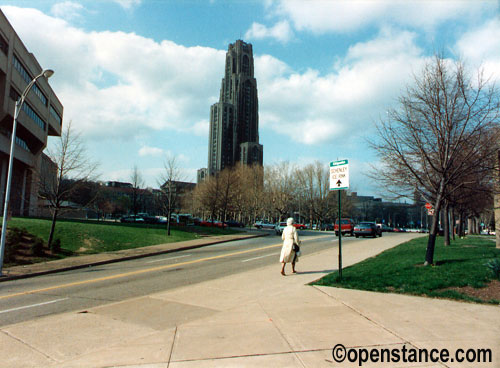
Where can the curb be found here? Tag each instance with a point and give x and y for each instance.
(4, 278)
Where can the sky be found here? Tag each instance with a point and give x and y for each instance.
(137, 77)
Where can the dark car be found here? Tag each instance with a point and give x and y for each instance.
(132, 219)
(232, 223)
(327, 227)
(367, 229)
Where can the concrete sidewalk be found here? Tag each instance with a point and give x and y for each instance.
(256, 319)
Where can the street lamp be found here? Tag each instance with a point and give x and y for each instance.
(47, 73)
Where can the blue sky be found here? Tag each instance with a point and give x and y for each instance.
(137, 77)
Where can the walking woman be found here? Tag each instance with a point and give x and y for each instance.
(290, 237)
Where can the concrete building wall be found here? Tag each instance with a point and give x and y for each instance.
(40, 117)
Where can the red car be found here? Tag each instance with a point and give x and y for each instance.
(347, 227)
(300, 226)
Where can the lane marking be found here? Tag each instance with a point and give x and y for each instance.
(267, 255)
(168, 259)
(139, 272)
(33, 305)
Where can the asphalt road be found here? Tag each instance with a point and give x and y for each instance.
(27, 299)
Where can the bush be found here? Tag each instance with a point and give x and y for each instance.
(55, 247)
(37, 247)
(494, 266)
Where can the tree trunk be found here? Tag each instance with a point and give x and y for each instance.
(446, 225)
(453, 223)
(52, 228)
(431, 243)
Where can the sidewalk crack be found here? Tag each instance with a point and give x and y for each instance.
(405, 340)
(172, 347)
(29, 346)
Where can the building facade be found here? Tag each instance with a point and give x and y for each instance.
(40, 117)
(234, 120)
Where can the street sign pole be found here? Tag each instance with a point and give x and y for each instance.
(339, 179)
(340, 236)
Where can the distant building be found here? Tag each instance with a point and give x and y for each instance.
(201, 175)
(41, 116)
(118, 184)
(234, 120)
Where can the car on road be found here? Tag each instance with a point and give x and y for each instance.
(327, 227)
(232, 223)
(300, 226)
(346, 227)
(264, 225)
(132, 219)
(278, 229)
(367, 229)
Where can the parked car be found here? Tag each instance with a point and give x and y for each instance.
(132, 219)
(279, 228)
(367, 229)
(346, 227)
(327, 227)
(300, 226)
(264, 225)
(233, 223)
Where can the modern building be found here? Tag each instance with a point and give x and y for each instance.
(41, 116)
(234, 120)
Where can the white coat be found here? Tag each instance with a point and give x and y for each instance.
(289, 237)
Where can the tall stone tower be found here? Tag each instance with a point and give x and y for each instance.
(234, 120)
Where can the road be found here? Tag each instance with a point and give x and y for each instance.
(78, 290)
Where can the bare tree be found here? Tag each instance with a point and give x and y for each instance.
(279, 186)
(137, 185)
(440, 135)
(168, 182)
(70, 161)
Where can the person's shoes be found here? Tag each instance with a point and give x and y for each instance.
(294, 271)
(283, 273)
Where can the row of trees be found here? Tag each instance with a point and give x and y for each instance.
(248, 193)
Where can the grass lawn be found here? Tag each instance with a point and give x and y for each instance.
(86, 237)
(458, 267)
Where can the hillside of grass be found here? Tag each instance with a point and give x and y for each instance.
(460, 267)
(87, 237)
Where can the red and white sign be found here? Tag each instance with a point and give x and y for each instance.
(428, 205)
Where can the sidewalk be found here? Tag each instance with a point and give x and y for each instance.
(255, 319)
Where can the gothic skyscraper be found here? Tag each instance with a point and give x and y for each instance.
(234, 120)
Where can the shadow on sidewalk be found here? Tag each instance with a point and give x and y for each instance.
(313, 272)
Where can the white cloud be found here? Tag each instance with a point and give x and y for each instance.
(281, 31)
(319, 16)
(312, 108)
(128, 4)
(480, 47)
(67, 10)
(109, 94)
(151, 151)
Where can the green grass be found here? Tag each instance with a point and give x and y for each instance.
(87, 237)
(401, 269)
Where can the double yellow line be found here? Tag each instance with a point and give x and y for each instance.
(133, 273)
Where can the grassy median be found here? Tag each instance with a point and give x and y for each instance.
(460, 271)
(87, 237)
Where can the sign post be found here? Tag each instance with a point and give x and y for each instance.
(339, 179)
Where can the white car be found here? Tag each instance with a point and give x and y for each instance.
(279, 228)
(264, 225)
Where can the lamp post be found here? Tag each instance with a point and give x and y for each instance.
(47, 73)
